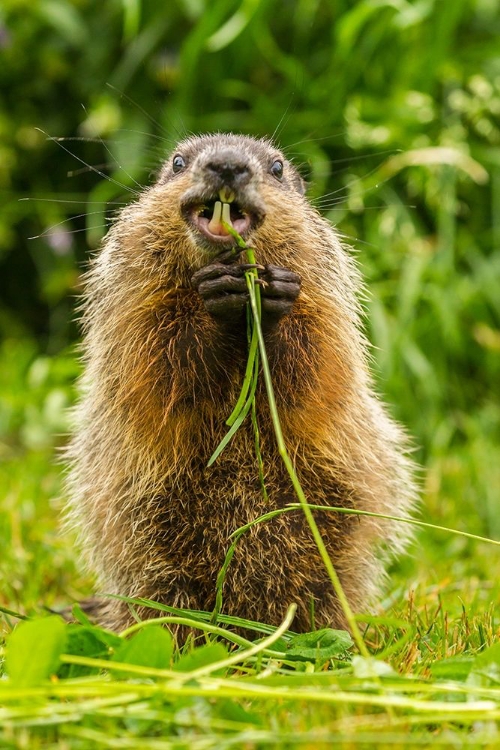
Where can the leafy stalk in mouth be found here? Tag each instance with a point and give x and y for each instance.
(246, 401)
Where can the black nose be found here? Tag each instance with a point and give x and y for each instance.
(229, 168)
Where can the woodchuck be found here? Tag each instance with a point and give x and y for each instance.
(165, 349)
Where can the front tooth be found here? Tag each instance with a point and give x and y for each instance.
(214, 223)
(226, 213)
(226, 195)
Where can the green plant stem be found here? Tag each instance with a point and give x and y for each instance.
(189, 623)
(255, 305)
(470, 709)
(254, 649)
(295, 480)
(253, 357)
(352, 512)
(199, 615)
(250, 650)
(246, 399)
(239, 419)
(207, 627)
(260, 462)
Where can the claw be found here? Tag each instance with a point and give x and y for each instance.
(250, 266)
(229, 255)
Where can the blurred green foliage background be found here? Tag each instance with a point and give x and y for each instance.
(390, 108)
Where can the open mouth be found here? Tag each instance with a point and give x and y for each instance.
(211, 216)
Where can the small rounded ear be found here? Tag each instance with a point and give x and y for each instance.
(301, 185)
(298, 183)
(294, 178)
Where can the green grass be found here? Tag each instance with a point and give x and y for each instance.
(393, 109)
(433, 678)
(433, 675)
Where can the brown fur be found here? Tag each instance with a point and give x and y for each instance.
(161, 378)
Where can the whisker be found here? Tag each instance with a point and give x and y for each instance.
(355, 240)
(355, 180)
(156, 123)
(84, 138)
(73, 231)
(369, 208)
(309, 139)
(376, 186)
(283, 119)
(97, 171)
(89, 139)
(66, 200)
(143, 132)
(111, 155)
(47, 231)
(83, 170)
(360, 157)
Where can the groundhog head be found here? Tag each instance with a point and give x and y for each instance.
(223, 178)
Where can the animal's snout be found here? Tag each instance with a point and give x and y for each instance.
(228, 168)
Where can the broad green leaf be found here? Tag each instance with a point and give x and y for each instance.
(200, 657)
(319, 644)
(486, 669)
(150, 647)
(33, 650)
(90, 641)
(454, 668)
(233, 711)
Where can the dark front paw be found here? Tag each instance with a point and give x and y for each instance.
(223, 289)
(279, 289)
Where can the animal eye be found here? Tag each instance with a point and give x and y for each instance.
(178, 163)
(277, 169)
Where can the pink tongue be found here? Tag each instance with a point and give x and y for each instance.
(222, 211)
